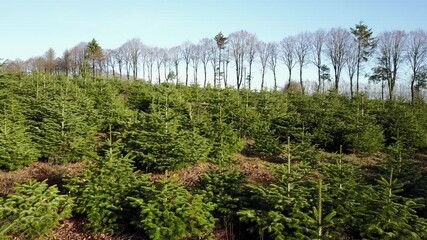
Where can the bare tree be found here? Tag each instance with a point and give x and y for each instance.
(264, 55)
(195, 60)
(391, 46)
(165, 61)
(133, 49)
(186, 56)
(352, 63)
(318, 41)
(50, 62)
(66, 62)
(287, 55)
(151, 58)
(119, 55)
(302, 49)
(159, 52)
(416, 54)
(252, 48)
(214, 59)
(238, 46)
(336, 45)
(77, 56)
(226, 58)
(205, 44)
(273, 49)
(175, 58)
(125, 54)
(110, 56)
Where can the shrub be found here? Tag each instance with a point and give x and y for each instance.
(169, 211)
(101, 192)
(33, 211)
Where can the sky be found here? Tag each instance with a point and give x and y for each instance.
(29, 28)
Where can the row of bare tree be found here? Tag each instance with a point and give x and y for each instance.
(336, 50)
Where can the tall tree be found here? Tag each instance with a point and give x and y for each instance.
(214, 59)
(119, 56)
(417, 56)
(238, 46)
(151, 58)
(264, 55)
(195, 60)
(287, 55)
(50, 62)
(336, 46)
(94, 53)
(78, 55)
(318, 41)
(391, 54)
(159, 53)
(66, 62)
(252, 45)
(365, 46)
(186, 56)
(302, 49)
(134, 48)
(352, 63)
(111, 61)
(175, 58)
(273, 49)
(221, 42)
(205, 44)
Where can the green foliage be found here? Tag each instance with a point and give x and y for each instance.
(279, 211)
(367, 137)
(392, 216)
(101, 191)
(400, 123)
(266, 141)
(168, 211)
(33, 211)
(157, 144)
(16, 146)
(224, 188)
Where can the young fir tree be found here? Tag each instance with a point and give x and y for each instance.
(158, 141)
(33, 211)
(224, 188)
(392, 216)
(16, 146)
(157, 144)
(280, 210)
(102, 190)
(169, 211)
(63, 128)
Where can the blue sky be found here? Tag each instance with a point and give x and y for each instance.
(28, 28)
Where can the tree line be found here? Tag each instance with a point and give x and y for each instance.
(333, 53)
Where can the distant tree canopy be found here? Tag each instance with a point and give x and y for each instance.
(403, 54)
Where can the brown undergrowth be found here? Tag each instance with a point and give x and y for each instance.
(38, 171)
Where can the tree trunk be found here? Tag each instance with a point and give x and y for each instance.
(250, 75)
(319, 79)
(158, 72)
(186, 74)
(237, 74)
(176, 70)
(275, 80)
(300, 79)
(204, 71)
(262, 79)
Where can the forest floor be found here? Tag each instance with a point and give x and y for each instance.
(258, 171)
